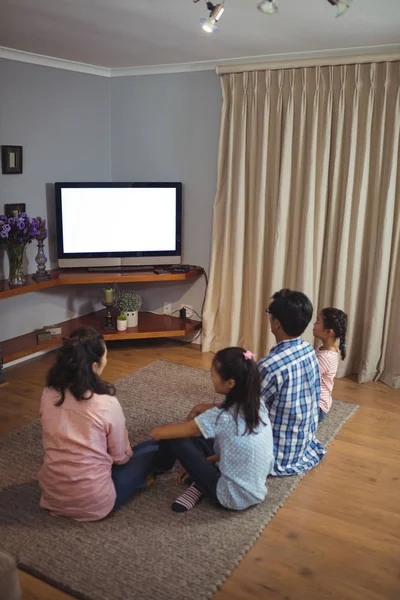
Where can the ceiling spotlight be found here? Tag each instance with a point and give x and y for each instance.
(268, 7)
(341, 5)
(210, 25)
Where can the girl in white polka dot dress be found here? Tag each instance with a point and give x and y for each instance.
(226, 450)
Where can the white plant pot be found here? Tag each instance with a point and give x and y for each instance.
(132, 318)
(122, 325)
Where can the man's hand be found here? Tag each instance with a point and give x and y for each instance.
(198, 410)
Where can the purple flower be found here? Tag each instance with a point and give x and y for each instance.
(21, 230)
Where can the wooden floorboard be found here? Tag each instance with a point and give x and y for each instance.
(338, 535)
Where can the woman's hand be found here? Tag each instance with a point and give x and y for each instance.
(182, 476)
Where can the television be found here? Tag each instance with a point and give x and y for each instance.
(118, 225)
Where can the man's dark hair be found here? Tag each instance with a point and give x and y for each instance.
(293, 310)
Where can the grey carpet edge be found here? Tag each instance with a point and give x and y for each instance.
(52, 582)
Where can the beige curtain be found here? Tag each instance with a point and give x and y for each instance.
(308, 197)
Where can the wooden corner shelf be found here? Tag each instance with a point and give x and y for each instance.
(150, 325)
(82, 277)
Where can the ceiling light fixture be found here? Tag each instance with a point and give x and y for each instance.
(268, 7)
(341, 5)
(210, 25)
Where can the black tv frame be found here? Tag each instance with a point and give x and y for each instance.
(123, 255)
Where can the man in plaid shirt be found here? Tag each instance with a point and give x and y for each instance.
(290, 386)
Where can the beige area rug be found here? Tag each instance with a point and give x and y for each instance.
(144, 551)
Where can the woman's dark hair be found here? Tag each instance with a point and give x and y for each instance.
(292, 309)
(244, 397)
(336, 319)
(73, 368)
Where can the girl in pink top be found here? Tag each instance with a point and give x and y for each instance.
(331, 325)
(89, 467)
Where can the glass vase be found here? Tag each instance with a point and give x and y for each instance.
(15, 255)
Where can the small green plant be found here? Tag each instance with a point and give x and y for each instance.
(121, 317)
(129, 302)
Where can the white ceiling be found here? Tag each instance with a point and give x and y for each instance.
(130, 33)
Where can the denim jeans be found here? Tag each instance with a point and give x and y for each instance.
(192, 454)
(132, 475)
(321, 415)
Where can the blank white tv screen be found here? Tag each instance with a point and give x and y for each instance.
(118, 219)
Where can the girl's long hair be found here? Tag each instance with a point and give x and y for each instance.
(244, 397)
(336, 320)
(73, 367)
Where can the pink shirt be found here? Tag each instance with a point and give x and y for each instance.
(81, 440)
(328, 362)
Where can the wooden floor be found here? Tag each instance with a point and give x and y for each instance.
(336, 537)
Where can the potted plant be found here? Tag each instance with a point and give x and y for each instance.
(122, 322)
(129, 303)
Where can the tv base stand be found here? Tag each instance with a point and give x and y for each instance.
(150, 325)
(120, 269)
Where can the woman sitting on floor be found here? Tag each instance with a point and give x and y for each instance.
(89, 467)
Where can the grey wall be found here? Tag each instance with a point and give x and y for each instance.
(166, 128)
(75, 127)
(62, 120)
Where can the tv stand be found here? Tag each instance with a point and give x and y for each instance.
(150, 325)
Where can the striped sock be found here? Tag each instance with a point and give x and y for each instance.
(187, 500)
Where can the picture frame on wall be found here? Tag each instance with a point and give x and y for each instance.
(11, 160)
(11, 209)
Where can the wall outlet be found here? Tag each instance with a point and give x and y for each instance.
(189, 310)
(167, 308)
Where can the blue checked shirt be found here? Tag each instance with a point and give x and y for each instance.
(290, 387)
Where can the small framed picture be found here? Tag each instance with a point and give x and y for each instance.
(11, 160)
(10, 210)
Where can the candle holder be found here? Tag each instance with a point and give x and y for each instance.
(108, 294)
(109, 324)
(41, 260)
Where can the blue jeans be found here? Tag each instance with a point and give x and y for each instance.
(132, 475)
(192, 454)
(321, 415)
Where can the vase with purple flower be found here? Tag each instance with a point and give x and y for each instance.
(15, 234)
